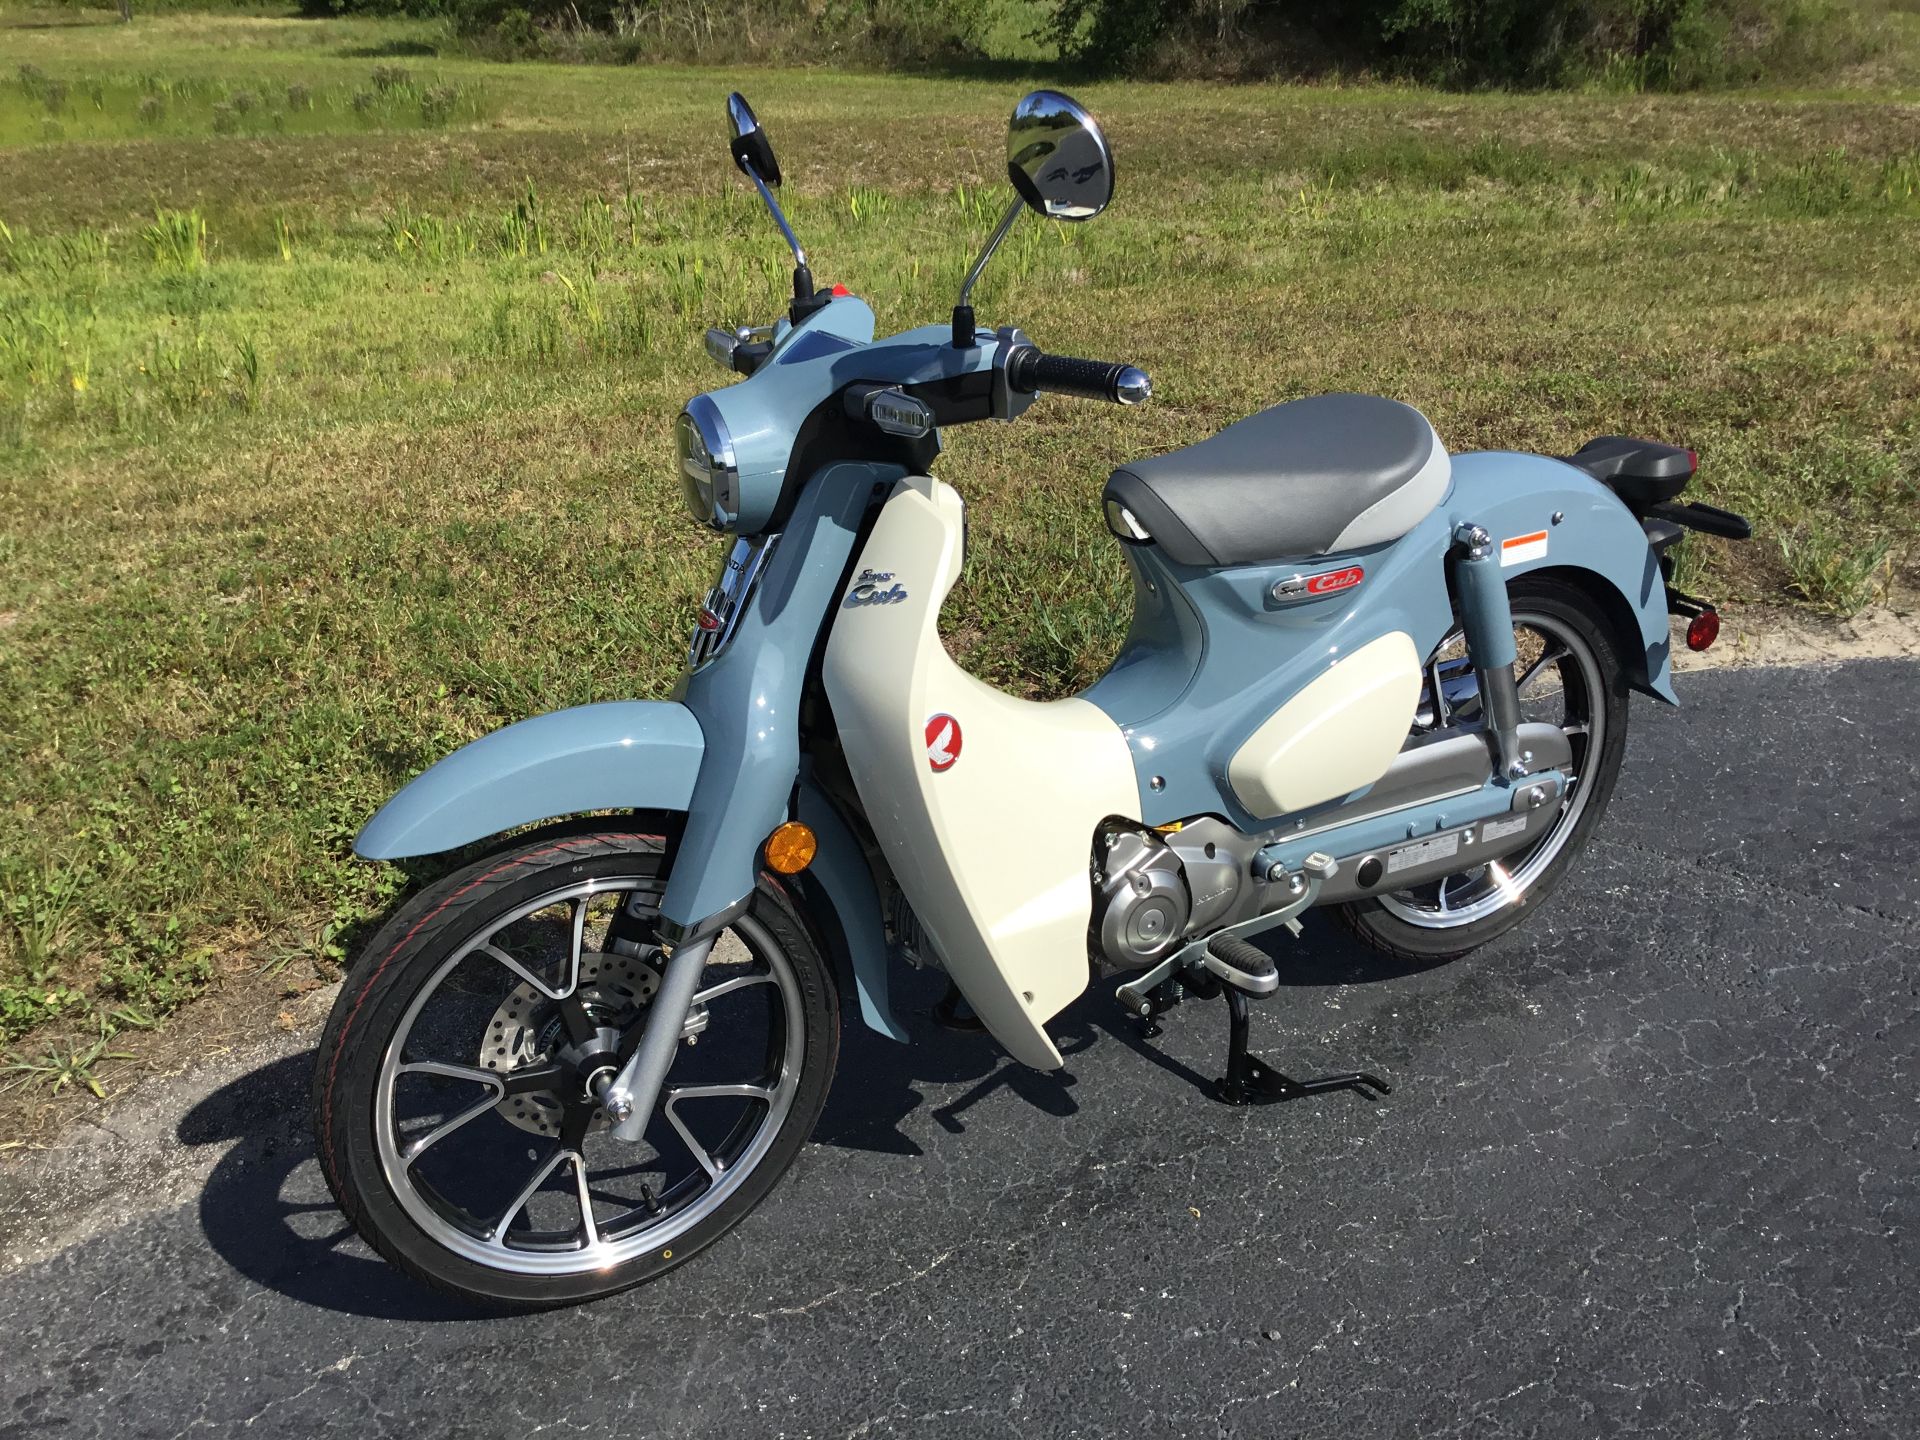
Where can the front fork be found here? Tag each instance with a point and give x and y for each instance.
(1487, 621)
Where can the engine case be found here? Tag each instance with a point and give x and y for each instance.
(1154, 890)
(1142, 904)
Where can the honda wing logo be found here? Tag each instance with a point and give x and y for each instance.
(943, 743)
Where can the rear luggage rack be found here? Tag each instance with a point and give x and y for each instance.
(1642, 473)
(1707, 519)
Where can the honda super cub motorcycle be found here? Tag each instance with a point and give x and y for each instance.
(1361, 674)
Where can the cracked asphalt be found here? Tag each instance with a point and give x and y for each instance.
(1649, 1168)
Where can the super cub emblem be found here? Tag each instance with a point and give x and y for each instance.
(875, 587)
(943, 742)
(1296, 588)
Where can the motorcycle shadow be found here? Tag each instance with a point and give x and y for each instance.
(266, 1211)
(881, 1083)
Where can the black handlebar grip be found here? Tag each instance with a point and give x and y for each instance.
(1029, 370)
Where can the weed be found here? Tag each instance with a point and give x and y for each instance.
(247, 370)
(867, 203)
(392, 77)
(66, 1065)
(152, 110)
(437, 103)
(299, 97)
(593, 231)
(1834, 570)
(40, 911)
(177, 239)
(283, 237)
(522, 232)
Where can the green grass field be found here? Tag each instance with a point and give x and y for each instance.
(337, 376)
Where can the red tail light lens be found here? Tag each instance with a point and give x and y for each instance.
(1703, 630)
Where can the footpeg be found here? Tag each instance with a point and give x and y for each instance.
(1241, 966)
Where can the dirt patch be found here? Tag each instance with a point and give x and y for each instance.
(1777, 635)
(78, 1166)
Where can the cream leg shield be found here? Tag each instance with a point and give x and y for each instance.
(985, 805)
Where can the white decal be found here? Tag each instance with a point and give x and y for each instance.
(1522, 548)
(1438, 848)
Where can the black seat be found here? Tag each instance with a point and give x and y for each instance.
(1331, 472)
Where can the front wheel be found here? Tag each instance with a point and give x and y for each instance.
(453, 1090)
(1569, 673)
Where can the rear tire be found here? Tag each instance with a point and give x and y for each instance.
(1594, 687)
(493, 1021)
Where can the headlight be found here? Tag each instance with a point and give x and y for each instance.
(709, 475)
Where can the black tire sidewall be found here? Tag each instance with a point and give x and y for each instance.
(1382, 930)
(406, 952)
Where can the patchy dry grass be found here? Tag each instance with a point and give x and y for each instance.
(327, 445)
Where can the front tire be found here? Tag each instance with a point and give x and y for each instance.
(452, 1090)
(1445, 919)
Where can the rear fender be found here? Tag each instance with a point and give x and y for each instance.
(1545, 515)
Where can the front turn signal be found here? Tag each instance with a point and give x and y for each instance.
(791, 848)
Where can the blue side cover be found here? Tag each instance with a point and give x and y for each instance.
(1211, 654)
(626, 754)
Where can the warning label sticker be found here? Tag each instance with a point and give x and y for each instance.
(1500, 829)
(1440, 847)
(1522, 548)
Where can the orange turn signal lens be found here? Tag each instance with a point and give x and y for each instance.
(790, 848)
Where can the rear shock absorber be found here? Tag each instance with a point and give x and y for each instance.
(1487, 620)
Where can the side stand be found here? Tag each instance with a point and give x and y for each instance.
(1251, 1081)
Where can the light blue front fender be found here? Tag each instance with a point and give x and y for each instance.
(622, 755)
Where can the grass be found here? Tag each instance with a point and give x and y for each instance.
(332, 437)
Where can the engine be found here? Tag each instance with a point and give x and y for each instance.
(1152, 890)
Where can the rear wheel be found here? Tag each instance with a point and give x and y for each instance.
(453, 1090)
(1569, 674)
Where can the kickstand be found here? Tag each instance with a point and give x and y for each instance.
(1251, 1081)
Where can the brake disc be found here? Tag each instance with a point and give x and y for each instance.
(527, 1030)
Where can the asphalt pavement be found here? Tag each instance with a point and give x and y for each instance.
(1649, 1167)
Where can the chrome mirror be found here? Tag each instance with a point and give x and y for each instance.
(1059, 164)
(1057, 158)
(753, 153)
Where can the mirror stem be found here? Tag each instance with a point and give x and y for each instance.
(964, 333)
(779, 217)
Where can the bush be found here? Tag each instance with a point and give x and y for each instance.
(1666, 44)
(881, 32)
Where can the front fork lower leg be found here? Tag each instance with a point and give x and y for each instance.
(630, 1096)
(1487, 621)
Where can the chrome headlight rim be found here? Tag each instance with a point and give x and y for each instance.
(714, 501)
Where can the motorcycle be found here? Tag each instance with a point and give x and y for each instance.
(1361, 674)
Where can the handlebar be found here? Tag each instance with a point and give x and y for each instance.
(1030, 371)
